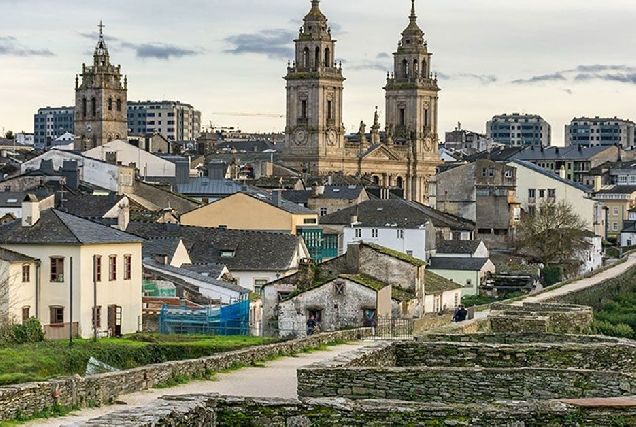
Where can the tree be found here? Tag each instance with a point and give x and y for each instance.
(9, 135)
(553, 234)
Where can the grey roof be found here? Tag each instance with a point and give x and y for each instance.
(170, 271)
(206, 186)
(209, 269)
(346, 192)
(12, 256)
(458, 246)
(254, 250)
(13, 199)
(498, 154)
(571, 152)
(457, 263)
(396, 213)
(57, 227)
(618, 189)
(552, 175)
(154, 247)
(89, 206)
(286, 205)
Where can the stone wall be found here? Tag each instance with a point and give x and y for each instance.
(540, 318)
(433, 384)
(212, 410)
(517, 338)
(29, 398)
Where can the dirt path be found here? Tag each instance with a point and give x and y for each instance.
(275, 379)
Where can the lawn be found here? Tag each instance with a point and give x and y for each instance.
(44, 360)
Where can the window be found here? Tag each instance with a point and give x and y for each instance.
(309, 221)
(94, 106)
(615, 226)
(56, 315)
(508, 173)
(402, 117)
(374, 232)
(329, 110)
(26, 273)
(323, 211)
(57, 269)
(469, 283)
(532, 193)
(98, 268)
(409, 253)
(400, 234)
(358, 232)
(615, 211)
(119, 105)
(258, 285)
(484, 172)
(96, 319)
(551, 193)
(112, 267)
(339, 289)
(491, 172)
(303, 109)
(541, 194)
(110, 104)
(127, 267)
(26, 312)
(227, 253)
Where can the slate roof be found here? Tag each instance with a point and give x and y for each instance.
(170, 271)
(89, 206)
(207, 186)
(435, 284)
(254, 250)
(154, 247)
(618, 189)
(57, 227)
(457, 263)
(552, 175)
(396, 213)
(572, 152)
(286, 205)
(209, 269)
(12, 256)
(458, 246)
(13, 199)
(499, 154)
(346, 192)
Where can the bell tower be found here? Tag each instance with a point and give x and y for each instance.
(101, 108)
(411, 96)
(314, 131)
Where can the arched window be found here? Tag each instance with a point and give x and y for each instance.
(94, 106)
(405, 66)
(306, 57)
(317, 57)
(327, 57)
(119, 105)
(415, 72)
(376, 180)
(84, 108)
(424, 72)
(400, 182)
(110, 104)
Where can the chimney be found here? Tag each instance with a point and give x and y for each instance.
(354, 219)
(276, 198)
(314, 190)
(30, 210)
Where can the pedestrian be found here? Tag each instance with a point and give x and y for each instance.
(311, 325)
(461, 314)
(455, 313)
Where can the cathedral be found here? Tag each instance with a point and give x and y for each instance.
(101, 110)
(403, 155)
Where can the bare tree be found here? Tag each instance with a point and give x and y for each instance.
(553, 235)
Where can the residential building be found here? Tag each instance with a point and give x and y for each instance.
(79, 262)
(327, 199)
(483, 192)
(617, 201)
(175, 120)
(536, 185)
(573, 162)
(465, 262)
(18, 294)
(253, 257)
(591, 131)
(591, 258)
(209, 190)
(100, 100)
(468, 141)
(628, 232)
(249, 210)
(315, 142)
(519, 129)
(51, 122)
(401, 225)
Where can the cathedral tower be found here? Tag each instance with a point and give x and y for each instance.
(411, 95)
(101, 110)
(314, 132)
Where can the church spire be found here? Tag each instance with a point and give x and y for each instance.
(101, 49)
(413, 30)
(413, 16)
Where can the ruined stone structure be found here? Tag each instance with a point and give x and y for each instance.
(101, 110)
(406, 156)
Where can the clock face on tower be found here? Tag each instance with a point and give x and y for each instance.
(300, 136)
(89, 127)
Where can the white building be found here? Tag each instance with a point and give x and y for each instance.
(175, 120)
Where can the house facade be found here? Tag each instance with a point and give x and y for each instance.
(86, 272)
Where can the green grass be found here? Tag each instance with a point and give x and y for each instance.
(49, 359)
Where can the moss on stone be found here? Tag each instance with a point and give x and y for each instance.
(396, 254)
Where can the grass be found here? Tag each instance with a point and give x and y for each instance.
(50, 359)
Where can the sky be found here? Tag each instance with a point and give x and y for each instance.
(559, 59)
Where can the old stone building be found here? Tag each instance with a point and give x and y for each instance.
(100, 100)
(404, 155)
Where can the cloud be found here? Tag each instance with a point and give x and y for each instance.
(482, 78)
(9, 46)
(568, 91)
(383, 55)
(583, 73)
(146, 50)
(272, 43)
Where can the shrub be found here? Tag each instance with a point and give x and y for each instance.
(551, 275)
(21, 333)
(620, 330)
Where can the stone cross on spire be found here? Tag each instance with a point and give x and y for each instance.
(413, 17)
(101, 29)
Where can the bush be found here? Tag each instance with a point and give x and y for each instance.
(620, 330)
(28, 332)
(551, 275)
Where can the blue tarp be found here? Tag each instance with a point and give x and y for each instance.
(232, 319)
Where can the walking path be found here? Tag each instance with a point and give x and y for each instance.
(587, 282)
(276, 378)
